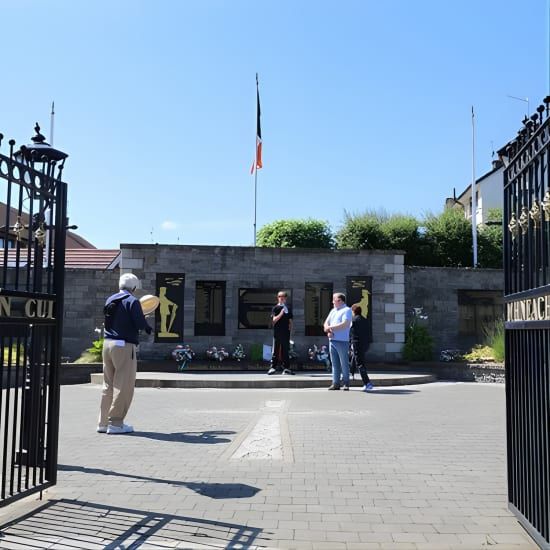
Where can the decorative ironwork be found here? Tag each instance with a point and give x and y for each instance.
(19, 227)
(546, 206)
(513, 226)
(524, 220)
(535, 214)
(527, 334)
(40, 235)
(33, 221)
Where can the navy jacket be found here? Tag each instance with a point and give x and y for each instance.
(359, 332)
(126, 318)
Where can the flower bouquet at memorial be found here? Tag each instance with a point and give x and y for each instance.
(238, 353)
(449, 355)
(217, 354)
(182, 354)
(319, 355)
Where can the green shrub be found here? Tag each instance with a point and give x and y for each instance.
(93, 354)
(449, 237)
(363, 231)
(479, 354)
(296, 234)
(494, 338)
(418, 343)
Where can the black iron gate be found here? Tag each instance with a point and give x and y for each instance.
(32, 257)
(527, 300)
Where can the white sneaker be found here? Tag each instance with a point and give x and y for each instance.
(101, 429)
(124, 429)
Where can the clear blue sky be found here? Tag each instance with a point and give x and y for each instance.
(365, 104)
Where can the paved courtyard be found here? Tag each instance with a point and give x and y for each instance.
(405, 467)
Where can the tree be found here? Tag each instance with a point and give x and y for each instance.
(296, 234)
(489, 240)
(402, 232)
(362, 231)
(449, 236)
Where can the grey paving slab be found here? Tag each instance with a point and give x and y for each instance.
(418, 467)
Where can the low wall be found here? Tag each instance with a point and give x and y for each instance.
(435, 289)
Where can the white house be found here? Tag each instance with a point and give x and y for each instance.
(489, 194)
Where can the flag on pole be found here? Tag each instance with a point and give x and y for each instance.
(257, 164)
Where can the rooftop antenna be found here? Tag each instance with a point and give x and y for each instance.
(152, 238)
(524, 99)
(52, 114)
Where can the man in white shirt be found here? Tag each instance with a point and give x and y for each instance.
(336, 327)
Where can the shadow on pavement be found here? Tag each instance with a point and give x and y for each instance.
(391, 392)
(186, 437)
(76, 524)
(212, 490)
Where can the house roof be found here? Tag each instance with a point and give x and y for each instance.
(75, 258)
(479, 180)
(72, 240)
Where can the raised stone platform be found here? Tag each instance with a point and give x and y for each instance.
(262, 380)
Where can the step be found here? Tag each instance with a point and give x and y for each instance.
(262, 380)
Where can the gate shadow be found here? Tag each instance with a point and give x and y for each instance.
(76, 524)
(212, 490)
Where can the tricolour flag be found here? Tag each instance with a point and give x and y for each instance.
(257, 164)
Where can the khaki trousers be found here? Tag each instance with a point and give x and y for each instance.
(119, 380)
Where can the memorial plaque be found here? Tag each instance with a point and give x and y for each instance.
(318, 303)
(255, 305)
(210, 308)
(169, 314)
(359, 291)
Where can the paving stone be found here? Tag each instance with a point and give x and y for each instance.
(409, 468)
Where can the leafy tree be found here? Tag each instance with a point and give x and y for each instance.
(489, 240)
(296, 234)
(402, 232)
(449, 237)
(363, 231)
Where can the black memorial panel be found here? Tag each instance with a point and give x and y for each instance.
(210, 308)
(318, 303)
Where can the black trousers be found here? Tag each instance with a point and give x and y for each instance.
(358, 362)
(281, 345)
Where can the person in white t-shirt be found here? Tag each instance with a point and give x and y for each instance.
(336, 327)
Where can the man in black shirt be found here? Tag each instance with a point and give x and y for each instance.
(281, 317)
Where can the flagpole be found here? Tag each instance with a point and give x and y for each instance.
(474, 197)
(256, 162)
(255, 193)
(52, 114)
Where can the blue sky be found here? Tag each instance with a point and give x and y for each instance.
(365, 105)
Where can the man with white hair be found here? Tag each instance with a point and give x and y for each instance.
(123, 320)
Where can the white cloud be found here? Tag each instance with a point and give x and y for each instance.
(168, 225)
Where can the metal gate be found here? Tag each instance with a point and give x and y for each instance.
(527, 301)
(32, 257)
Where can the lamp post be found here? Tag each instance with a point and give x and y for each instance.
(42, 160)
